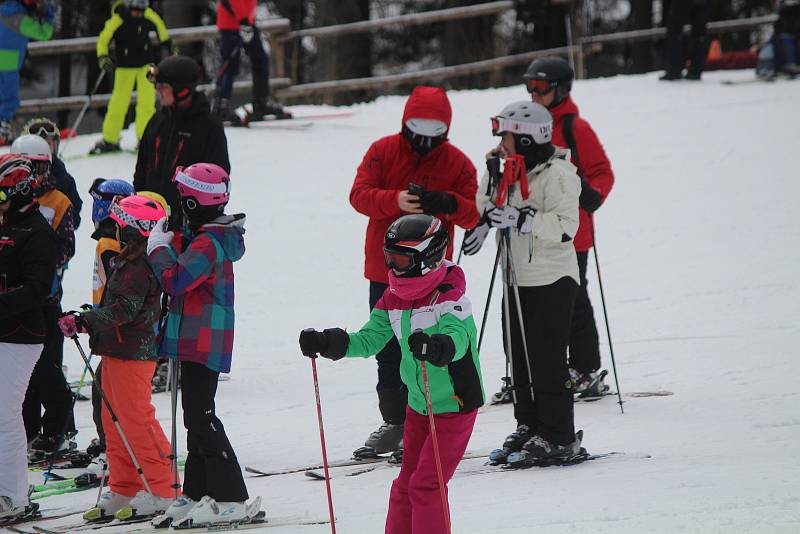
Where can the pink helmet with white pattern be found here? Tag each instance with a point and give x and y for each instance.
(206, 183)
(138, 212)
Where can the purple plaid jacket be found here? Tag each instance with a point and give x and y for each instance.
(200, 283)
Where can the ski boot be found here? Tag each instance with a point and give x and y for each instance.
(504, 396)
(6, 134)
(513, 443)
(268, 108)
(539, 451)
(110, 503)
(9, 514)
(210, 513)
(388, 438)
(222, 110)
(104, 147)
(179, 508)
(43, 448)
(95, 448)
(143, 504)
(588, 385)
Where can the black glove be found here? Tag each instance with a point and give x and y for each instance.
(590, 199)
(331, 343)
(436, 202)
(437, 349)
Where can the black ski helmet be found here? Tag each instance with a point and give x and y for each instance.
(414, 245)
(180, 72)
(554, 70)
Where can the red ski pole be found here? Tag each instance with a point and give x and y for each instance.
(322, 441)
(445, 506)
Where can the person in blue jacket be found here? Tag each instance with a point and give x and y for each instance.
(20, 21)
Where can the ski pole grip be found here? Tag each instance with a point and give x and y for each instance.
(493, 166)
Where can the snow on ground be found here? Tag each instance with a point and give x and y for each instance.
(699, 249)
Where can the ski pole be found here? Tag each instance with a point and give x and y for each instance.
(439, 475)
(605, 316)
(83, 109)
(489, 297)
(172, 369)
(114, 419)
(322, 442)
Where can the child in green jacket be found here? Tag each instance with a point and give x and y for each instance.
(425, 307)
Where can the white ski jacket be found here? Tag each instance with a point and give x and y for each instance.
(547, 254)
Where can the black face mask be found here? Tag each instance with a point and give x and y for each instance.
(197, 215)
(422, 144)
(534, 154)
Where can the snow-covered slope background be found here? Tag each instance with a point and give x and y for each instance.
(699, 247)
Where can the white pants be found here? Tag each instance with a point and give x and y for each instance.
(16, 366)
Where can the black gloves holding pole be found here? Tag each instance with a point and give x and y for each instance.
(331, 343)
(438, 349)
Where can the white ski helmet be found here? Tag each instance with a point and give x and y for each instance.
(35, 149)
(529, 123)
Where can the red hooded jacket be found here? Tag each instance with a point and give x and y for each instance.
(390, 165)
(231, 12)
(593, 165)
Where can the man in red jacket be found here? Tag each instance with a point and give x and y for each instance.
(414, 171)
(549, 81)
(236, 21)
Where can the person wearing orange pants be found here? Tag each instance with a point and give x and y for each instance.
(122, 329)
(126, 385)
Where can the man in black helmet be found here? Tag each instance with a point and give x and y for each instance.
(181, 133)
(549, 82)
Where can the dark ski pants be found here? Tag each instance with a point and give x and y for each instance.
(546, 313)
(392, 393)
(231, 46)
(584, 345)
(211, 465)
(97, 405)
(695, 12)
(47, 387)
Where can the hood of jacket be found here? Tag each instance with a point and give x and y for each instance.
(566, 107)
(428, 103)
(228, 230)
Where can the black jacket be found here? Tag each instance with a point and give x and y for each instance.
(175, 138)
(65, 183)
(27, 271)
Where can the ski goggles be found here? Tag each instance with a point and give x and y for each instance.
(540, 87)
(43, 129)
(24, 187)
(100, 195)
(541, 133)
(399, 261)
(130, 220)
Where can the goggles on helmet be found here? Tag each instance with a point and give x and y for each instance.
(540, 87)
(541, 133)
(129, 220)
(196, 185)
(399, 261)
(43, 129)
(100, 195)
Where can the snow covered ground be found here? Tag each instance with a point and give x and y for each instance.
(700, 248)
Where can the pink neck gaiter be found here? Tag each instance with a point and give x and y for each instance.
(418, 286)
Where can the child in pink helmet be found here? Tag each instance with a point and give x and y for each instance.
(199, 281)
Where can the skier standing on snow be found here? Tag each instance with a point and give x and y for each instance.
(181, 133)
(426, 309)
(27, 269)
(541, 216)
(199, 333)
(549, 82)
(236, 21)
(129, 28)
(122, 330)
(48, 387)
(421, 155)
(19, 21)
(63, 180)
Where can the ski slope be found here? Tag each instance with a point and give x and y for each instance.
(700, 248)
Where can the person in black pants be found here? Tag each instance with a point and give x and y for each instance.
(680, 12)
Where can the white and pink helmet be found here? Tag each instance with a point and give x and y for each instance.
(206, 183)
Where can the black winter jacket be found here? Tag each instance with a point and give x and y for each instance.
(27, 269)
(173, 138)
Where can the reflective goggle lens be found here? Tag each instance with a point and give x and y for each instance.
(495, 126)
(3, 196)
(540, 87)
(42, 129)
(397, 260)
